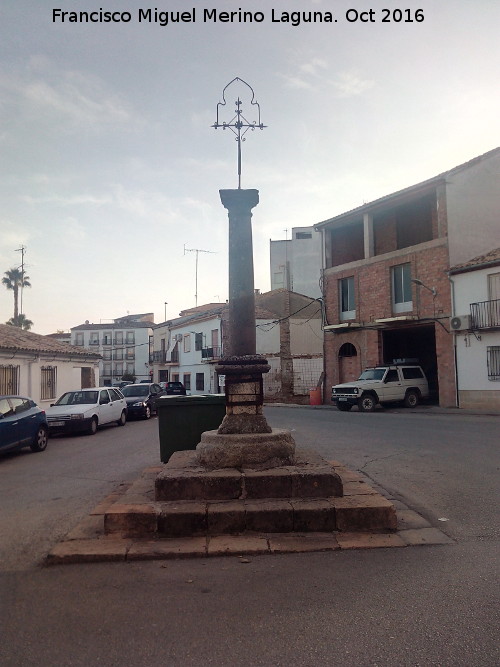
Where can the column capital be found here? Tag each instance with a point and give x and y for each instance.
(239, 199)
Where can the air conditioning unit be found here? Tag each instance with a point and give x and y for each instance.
(460, 323)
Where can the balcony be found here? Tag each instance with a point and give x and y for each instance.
(211, 353)
(485, 314)
(158, 357)
(162, 357)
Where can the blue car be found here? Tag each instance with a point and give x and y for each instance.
(22, 424)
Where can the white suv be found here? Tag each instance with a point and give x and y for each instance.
(383, 384)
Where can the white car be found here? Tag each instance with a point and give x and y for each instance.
(86, 409)
(383, 384)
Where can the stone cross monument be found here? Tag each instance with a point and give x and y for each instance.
(244, 437)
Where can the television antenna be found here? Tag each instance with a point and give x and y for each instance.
(197, 251)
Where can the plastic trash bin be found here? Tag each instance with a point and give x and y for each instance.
(182, 420)
(315, 397)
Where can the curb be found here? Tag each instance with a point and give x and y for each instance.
(88, 542)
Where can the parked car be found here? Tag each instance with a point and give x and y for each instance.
(22, 424)
(121, 384)
(173, 388)
(383, 384)
(84, 410)
(141, 398)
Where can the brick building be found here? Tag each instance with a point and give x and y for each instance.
(385, 284)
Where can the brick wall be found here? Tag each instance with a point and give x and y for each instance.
(374, 301)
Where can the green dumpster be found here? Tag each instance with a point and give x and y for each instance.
(182, 420)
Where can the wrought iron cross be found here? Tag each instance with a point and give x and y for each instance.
(238, 124)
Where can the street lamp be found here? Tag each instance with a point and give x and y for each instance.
(418, 282)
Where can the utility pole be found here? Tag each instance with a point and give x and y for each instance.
(22, 250)
(197, 251)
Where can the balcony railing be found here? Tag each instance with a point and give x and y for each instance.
(163, 357)
(210, 353)
(485, 314)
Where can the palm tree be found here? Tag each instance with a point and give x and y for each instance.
(20, 321)
(15, 279)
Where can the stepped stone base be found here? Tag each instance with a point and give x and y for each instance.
(307, 497)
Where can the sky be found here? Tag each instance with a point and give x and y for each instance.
(110, 170)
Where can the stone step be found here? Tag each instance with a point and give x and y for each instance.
(354, 513)
(183, 479)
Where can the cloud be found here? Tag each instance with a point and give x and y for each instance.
(349, 84)
(45, 91)
(315, 74)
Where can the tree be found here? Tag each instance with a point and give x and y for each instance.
(128, 377)
(20, 321)
(15, 279)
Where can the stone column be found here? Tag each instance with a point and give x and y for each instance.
(242, 367)
(239, 204)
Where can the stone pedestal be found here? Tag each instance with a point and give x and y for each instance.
(244, 394)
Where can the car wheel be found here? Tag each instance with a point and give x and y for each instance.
(147, 412)
(344, 407)
(367, 403)
(412, 399)
(92, 430)
(40, 440)
(123, 419)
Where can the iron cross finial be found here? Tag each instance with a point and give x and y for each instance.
(238, 124)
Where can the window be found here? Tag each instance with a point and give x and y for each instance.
(106, 338)
(79, 338)
(94, 338)
(119, 369)
(106, 354)
(392, 376)
(401, 288)
(493, 361)
(175, 377)
(198, 341)
(187, 343)
(130, 353)
(412, 373)
(347, 304)
(200, 381)
(119, 338)
(130, 338)
(115, 396)
(130, 369)
(9, 379)
(119, 353)
(347, 350)
(215, 337)
(20, 405)
(48, 383)
(106, 369)
(187, 380)
(103, 397)
(303, 235)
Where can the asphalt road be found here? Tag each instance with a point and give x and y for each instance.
(412, 606)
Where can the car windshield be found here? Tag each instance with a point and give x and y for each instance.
(136, 390)
(78, 398)
(372, 374)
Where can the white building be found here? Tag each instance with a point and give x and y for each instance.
(185, 349)
(43, 368)
(476, 322)
(123, 343)
(296, 262)
(288, 335)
